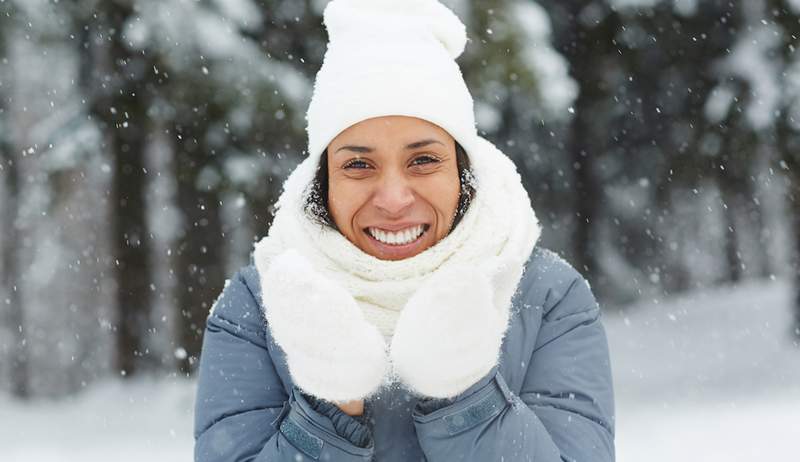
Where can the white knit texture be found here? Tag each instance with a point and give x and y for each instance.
(389, 57)
(332, 352)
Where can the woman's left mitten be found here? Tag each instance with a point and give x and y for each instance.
(332, 352)
(449, 333)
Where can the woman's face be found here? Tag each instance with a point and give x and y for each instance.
(393, 185)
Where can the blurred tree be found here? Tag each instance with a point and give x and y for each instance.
(785, 15)
(523, 96)
(13, 307)
(584, 32)
(231, 110)
(663, 136)
(292, 34)
(643, 111)
(119, 84)
(740, 112)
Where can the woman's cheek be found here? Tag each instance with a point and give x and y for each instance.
(338, 206)
(348, 199)
(445, 194)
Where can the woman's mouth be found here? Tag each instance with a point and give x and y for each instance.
(397, 244)
(398, 238)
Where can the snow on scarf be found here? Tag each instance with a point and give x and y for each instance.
(498, 231)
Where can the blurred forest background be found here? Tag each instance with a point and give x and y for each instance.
(143, 143)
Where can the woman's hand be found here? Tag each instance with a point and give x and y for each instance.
(332, 352)
(448, 335)
(352, 408)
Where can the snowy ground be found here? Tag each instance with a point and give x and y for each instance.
(143, 421)
(712, 377)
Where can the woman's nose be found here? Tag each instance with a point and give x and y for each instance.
(394, 196)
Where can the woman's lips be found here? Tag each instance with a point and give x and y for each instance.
(400, 236)
(397, 250)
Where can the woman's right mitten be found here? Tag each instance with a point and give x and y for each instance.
(332, 352)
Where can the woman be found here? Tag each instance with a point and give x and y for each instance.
(398, 309)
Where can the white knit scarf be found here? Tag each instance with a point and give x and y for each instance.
(499, 229)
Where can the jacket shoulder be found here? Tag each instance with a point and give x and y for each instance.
(240, 301)
(554, 285)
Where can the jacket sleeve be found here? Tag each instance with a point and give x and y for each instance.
(564, 411)
(242, 409)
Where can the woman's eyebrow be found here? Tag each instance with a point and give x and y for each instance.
(355, 148)
(419, 144)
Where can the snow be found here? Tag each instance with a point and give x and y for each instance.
(487, 117)
(686, 7)
(243, 12)
(712, 375)
(241, 169)
(126, 422)
(556, 88)
(634, 3)
(734, 339)
(762, 429)
(683, 7)
(181, 28)
(719, 103)
(752, 62)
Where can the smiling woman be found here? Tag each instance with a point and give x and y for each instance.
(401, 197)
(398, 308)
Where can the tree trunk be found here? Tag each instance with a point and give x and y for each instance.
(12, 312)
(586, 46)
(795, 213)
(732, 255)
(587, 200)
(118, 88)
(675, 277)
(14, 308)
(584, 148)
(200, 254)
(130, 244)
(740, 145)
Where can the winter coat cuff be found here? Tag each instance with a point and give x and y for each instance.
(352, 428)
(440, 418)
(427, 405)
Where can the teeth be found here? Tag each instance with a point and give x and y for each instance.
(399, 237)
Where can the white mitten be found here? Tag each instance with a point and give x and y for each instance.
(333, 353)
(449, 333)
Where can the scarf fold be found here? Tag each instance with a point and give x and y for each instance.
(498, 231)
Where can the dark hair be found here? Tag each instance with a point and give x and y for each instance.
(316, 205)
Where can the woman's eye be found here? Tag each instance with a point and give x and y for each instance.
(422, 160)
(356, 163)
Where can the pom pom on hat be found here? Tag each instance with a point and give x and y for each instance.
(357, 18)
(390, 57)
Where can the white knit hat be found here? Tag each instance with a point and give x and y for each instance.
(390, 57)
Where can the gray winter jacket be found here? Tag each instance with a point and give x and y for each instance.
(550, 397)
